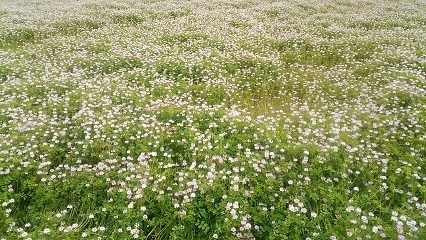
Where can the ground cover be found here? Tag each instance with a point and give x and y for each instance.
(197, 119)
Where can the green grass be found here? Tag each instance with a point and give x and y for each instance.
(212, 120)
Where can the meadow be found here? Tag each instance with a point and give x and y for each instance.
(213, 119)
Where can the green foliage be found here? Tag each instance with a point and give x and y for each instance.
(18, 37)
(76, 26)
(127, 19)
(212, 120)
(5, 72)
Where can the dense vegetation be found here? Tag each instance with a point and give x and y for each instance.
(239, 119)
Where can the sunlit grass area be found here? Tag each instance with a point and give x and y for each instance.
(240, 119)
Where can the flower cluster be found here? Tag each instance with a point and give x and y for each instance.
(240, 119)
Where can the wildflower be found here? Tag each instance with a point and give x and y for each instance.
(350, 209)
(292, 208)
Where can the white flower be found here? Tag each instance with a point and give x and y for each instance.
(292, 208)
(46, 231)
(350, 209)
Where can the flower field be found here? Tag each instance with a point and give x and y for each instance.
(213, 119)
